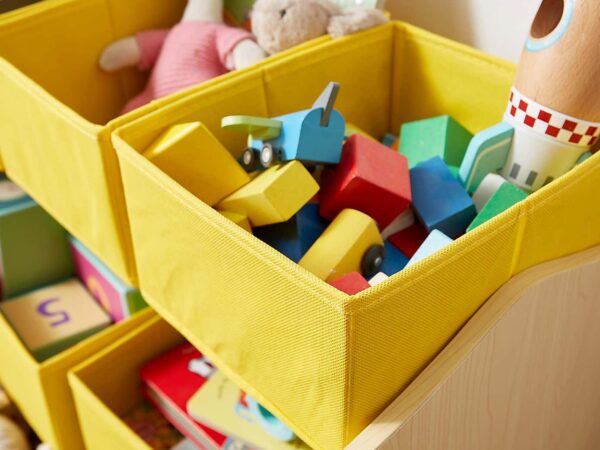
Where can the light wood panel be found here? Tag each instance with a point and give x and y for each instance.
(524, 373)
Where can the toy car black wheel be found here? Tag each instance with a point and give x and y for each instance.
(269, 155)
(249, 159)
(372, 260)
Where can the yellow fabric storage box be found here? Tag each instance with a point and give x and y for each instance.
(107, 386)
(41, 390)
(58, 109)
(324, 362)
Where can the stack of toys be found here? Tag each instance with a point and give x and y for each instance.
(55, 292)
(343, 205)
(207, 408)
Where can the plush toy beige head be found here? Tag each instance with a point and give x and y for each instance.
(281, 24)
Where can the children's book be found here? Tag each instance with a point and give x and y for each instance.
(170, 381)
(221, 405)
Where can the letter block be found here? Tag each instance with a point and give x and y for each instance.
(371, 178)
(351, 243)
(54, 318)
(439, 136)
(439, 199)
(191, 155)
(116, 297)
(274, 196)
(34, 248)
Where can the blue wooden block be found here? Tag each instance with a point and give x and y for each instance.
(434, 242)
(389, 140)
(439, 200)
(294, 237)
(394, 261)
(487, 153)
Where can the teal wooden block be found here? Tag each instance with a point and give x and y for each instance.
(505, 197)
(434, 243)
(34, 248)
(439, 136)
(487, 153)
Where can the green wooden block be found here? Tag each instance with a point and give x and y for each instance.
(439, 136)
(505, 197)
(34, 248)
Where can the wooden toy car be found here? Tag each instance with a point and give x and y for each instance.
(314, 135)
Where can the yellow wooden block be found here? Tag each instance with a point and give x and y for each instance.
(52, 319)
(191, 155)
(345, 247)
(274, 196)
(238, 219)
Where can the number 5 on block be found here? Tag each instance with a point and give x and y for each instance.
(54, 318)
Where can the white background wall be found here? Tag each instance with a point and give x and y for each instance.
(495, 26)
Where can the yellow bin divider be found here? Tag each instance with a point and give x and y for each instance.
(41, 390)
(107, 386)
(58, 109)
(324, 362)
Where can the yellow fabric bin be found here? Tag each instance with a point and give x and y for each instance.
(324, 362)
(58, 108)
(107, 386)
(41, 390)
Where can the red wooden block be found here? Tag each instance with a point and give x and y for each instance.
(408, 241)
(371, 178)
(351, 284)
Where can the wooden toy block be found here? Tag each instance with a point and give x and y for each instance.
(378, 279)
(115, 296)
(34, 249)
(409, 240)
(275, 196)
(294, 237)
(191, 155)
(487, 153)
(240, 220)
(395, 260)
(434, 242)
(389, 140)
(315, 135)
(371, 178)
(54, 318)
(439, 136)
(439, 200)
(402, 222)
(351, 243)
(351, 283)
(505, 197)
(488, 187)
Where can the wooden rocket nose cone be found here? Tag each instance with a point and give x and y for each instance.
(547, 18)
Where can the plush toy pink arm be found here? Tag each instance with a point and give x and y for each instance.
(141, 50)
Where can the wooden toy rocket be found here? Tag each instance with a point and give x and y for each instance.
(554, 106)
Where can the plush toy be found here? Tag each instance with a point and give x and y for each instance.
(281, 24)
(12, 437)
(197, 49)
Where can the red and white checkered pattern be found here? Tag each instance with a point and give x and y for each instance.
(551, 123)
